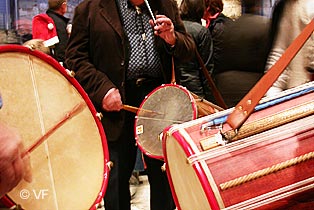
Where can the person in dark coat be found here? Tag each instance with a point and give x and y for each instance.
(53, 28)
(119, 55)
(240, 62)
(192, 76)
(57, 9)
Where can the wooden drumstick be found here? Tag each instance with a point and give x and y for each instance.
(78, 108)
(130, 108)
(135, 109)
(150, 10)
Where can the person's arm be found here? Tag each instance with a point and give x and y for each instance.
(78, 58)
(13, 167)
(170, 28)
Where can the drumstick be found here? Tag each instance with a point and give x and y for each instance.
(130, 108)
(135, 109)
(150, 10)
(78, 108)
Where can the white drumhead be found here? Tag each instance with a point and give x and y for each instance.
(69, 167)
(166, 105)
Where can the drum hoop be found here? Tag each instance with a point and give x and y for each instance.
(140, 146)
(201, 174)
(56, 65)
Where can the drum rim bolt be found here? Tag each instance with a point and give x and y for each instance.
(249, 102)
(110, 165)
(163, 167)
(99, 115)
(70, 73)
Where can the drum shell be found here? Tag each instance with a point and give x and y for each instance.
(200, 185)
(38, 92)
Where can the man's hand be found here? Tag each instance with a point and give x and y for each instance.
(112, 101)
(13, 167)
(164, 28)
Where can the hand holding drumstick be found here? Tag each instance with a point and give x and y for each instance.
(14, 159)
(13, 166)
(112, 102)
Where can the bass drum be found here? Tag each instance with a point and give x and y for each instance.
(69, 168)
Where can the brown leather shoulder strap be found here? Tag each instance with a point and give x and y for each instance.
(211, 83)
(246, 106)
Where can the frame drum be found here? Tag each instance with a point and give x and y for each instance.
(69, 168)
(166, 105)
(269, 167)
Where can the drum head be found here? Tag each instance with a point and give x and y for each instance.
(166, 105)
(68, 168)
(176, 153)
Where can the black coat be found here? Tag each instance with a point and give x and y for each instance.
(98, 51)
(61, 24)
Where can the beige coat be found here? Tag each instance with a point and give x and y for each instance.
(296, 15)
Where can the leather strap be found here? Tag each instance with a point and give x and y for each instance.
(173, 74)
(246, 106)
(211, 83)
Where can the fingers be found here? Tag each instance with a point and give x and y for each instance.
(27, 168)
(112, 101)
(164, 28)
(18, 169)
(12, 166)
(8, 180)
(163, 24)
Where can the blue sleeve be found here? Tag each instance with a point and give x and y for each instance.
(0, 101)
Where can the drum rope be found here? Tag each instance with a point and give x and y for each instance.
(269, 122)
(286, 132)
(267, 102)
(266, 171)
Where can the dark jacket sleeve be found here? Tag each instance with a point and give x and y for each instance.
(184, 49)
(78, 57)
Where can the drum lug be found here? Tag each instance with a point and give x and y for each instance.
(109, 165)
(100, 205)
(70, 73)
(163, 167)
(99, 115)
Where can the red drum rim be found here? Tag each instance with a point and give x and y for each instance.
(137, 137)
(55, 64)
(198, 169)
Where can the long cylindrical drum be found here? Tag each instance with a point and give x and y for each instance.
(266, 164)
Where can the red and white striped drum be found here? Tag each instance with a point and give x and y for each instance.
(69, 168)
(166, 105)
(267, 164)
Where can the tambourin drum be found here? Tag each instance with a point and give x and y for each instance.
(266, 164)
(69, 169)
(166, 105)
